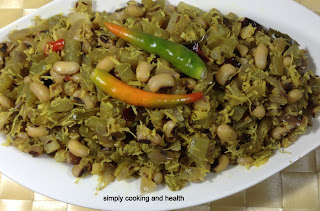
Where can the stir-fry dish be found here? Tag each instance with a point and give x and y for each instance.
(161, 92)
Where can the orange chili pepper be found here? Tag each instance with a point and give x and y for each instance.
(137, 97)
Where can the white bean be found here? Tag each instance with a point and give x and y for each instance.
(315, 111)
(157, 177)
(143, 71)
(57, 78)
(66, 67)
(78, 170)
(85, 97)
(244, 160)
(40, 91)
(85, 46)
(106, 64)
(224, 73)
(145, 134)
(189, 83)
(243, 50)
(223, 162)
(36, 131)
(77, 148)
(282, 130)
(27, 79)
(202, 105)
(157, 139)
(76, 77)
(23, 135)
(259, 111)
(168, 129)
(247, 32)
(243, 61)
(135, 10)
(160, 81)
(294, 96)
(286, 61)
(5, 102)
(260, 56)
(227, 134)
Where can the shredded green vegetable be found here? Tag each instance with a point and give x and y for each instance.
(263, 101)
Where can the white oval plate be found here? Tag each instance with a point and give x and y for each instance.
(45, 176)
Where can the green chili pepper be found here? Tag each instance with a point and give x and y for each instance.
(179, 56)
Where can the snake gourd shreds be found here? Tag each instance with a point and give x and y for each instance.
(182, 58)
(112, 108)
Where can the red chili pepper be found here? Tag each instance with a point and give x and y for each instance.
(53, 46)
(133, 96)
(67, 78)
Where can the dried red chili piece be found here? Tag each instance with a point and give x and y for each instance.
(67, 78)
(195, 47)
(128, 114)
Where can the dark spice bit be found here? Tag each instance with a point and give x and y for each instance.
(304, 65)
(3, 47)
(245, 139)
(247, 21)
(174, 132)
(299, 118)
(145, 141)
(315, 111)
(155, 8)
(128, 114)
(140, 5)
(288, 86)
(163, 152)
(227, 22)
(145, 175)
(78, 100)
(27, 45)
(121, 9)
(233, 61)
(214, 164)
(34, 153)
(196, 48)
(84, 171)
(47, 82)
(208, 133)
(104, 38)
(44, 31)
(220, 107)
(178, 18)
(74, 160)
(276, 34)
(292, 119)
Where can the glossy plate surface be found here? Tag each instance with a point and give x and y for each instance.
(55, 180)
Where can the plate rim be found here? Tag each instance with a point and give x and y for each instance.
(31, 15)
